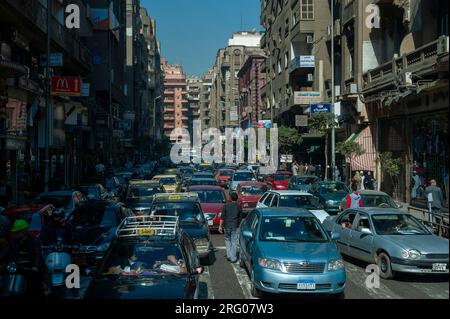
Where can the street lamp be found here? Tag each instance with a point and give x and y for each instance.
(154, 114)
(333, 98)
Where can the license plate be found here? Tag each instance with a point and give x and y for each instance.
(440, 267)
(210, 222)
(306, 285)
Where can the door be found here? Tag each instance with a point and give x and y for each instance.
(244, 241)
(360, 244)
(344, 225)
(267, 201)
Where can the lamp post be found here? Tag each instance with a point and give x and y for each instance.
(47, 100)
(333, 98)
(154, 113)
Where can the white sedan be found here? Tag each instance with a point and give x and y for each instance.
(293, 199)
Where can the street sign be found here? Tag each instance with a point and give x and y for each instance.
(287, 159)
(85, 89)
(56, 59)
(301, 120)
(307, 97)
(66, 86)
(321, 108)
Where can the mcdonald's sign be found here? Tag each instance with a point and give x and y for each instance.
(66, 86)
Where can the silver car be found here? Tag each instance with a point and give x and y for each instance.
(390, 238)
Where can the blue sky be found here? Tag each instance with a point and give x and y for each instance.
(191, 31)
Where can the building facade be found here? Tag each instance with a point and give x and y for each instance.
(175, 98)
(251, 82)
(194, 88)
(205, 99)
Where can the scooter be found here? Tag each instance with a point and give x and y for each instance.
(12, 282)
(56, 260)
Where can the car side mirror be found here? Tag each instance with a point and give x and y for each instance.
(366, 231)
(335, 235)
(399, 206)
(197, 271)
(247, 234)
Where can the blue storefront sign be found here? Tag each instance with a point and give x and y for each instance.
(56, 59)
(321, 108)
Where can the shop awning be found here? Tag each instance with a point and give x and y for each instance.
(367, 161)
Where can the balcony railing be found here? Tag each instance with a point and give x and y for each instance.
(423, 58)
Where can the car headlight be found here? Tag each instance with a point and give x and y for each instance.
(411, 254)
(330, 203)
(103, 247)
(335, 265)
(272, 264)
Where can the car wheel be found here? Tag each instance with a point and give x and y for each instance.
(254, 290)
(384, 264)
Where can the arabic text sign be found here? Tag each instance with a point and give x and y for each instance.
(307, 97)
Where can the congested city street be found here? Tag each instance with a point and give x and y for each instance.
(265, 149)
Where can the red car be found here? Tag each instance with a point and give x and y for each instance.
(31, 213)
(212, 199)
(249, 194)
(280, 180)
(223, 176)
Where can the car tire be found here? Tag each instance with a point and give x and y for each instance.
(384, 264)
(254, 290)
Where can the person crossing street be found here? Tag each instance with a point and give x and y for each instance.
(229, 222)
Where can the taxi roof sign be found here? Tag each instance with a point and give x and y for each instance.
(148, 226)
(176, 196)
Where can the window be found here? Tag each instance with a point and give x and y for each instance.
(307, 9)
(286, 60)
(279, 66)
(268, 200)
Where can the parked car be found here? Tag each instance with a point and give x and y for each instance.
(150, 241)
(330, 194)
(201, 182)
(241, 176)
(302, 183)
(286, 250)
(249, 193)
(203, 175)
(394, 240)
(293, 199)
(170, 183)
(280, 180)
(224, 176)
(140, 196)
(212, 199)
(374, 199)
(67, 200)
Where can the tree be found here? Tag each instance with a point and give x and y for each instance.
(349, 150)
(323, 123)
(288, 139)
(392, 167)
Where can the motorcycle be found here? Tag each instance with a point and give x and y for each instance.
(57, 259)
(12, 281)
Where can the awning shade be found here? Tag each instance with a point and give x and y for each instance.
(367, 161)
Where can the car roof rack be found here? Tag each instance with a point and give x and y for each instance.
(175, 196)
(155, 226)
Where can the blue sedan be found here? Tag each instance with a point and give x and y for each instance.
(390, 238)
(286, 250)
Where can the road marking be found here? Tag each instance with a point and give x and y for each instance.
(243, 280)
(220, 248)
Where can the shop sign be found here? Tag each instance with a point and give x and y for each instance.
(307, 97)
(66, 86)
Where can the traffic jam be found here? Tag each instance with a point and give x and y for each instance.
(156, 231)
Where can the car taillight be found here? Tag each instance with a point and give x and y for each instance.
(34, 233)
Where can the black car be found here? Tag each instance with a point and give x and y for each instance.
(302, 183)
(186, 206)
(94, 223)
(140, 198)
(151, 258)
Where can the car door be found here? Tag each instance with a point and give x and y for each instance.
(252, 241)
(268, 200)
(261, 200)
(275, 200)
(244, 241)
(191, 261)
(344, 226)
(360, 244)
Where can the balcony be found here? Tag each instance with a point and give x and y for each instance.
(169, 109)
(169, 118)
(423, 61)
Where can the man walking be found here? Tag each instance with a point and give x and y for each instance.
(438, 198)
(295, 169)
(230, 220)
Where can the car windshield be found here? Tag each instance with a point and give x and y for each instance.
(59, 201)
(201, 175)
(398, 224)
(305, 180)
(253, 190)
(143, 192)
(168, 180)
(210, 196)
(226, 173)
(187, 212)
(383, 201)
(244, 177)
(94, 215)
(331, 188)
(144, 259)
(292, 229)
(200, 182)
(299, 201)
(281, 177)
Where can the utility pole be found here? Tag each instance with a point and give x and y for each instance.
(333, 98)
(47, 100)
(110, 115)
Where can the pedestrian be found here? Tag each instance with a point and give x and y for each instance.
(230, 221)
(295, 169)
(437, 202)
(337, 174)
(306, 169)
(363, 178)
(357, 180)
(369, 181)
(6, 194)
(301, 169)
(354, 199)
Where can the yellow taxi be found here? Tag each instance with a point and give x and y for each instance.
(170, 183)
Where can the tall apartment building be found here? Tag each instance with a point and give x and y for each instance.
(175, 98)
(205, 99)
(225, 89)
(194, 87)
(251, 82)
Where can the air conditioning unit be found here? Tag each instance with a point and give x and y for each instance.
(310, 77)
(310, 39)
(443, 45)
(407, 78)
(353, 88)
